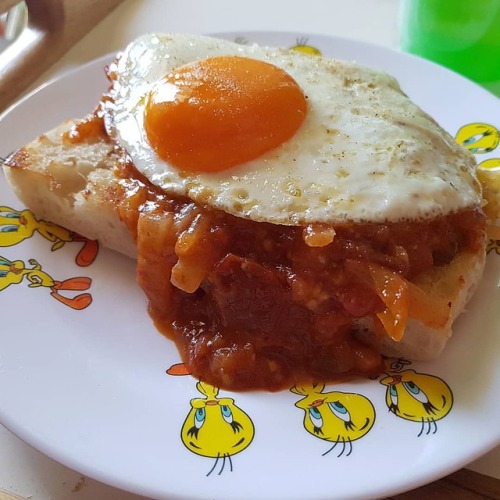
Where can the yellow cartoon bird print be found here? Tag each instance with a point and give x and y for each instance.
(303, 47)
(488, 173)
(418, 397)
(11, 272)
(478, 137)
(216, 428)
(338, 417)
(17, 226)
(14, 272)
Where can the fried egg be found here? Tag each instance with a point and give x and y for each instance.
(278, 136)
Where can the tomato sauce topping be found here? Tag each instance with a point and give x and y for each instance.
(253, 305)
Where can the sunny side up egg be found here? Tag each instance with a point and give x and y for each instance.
(277, 136)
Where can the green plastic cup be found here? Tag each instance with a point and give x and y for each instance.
(463, 35)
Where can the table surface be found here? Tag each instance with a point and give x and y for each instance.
(28, 473)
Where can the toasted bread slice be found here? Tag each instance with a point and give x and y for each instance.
(74, 185)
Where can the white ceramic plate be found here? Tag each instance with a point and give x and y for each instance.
(89, 387)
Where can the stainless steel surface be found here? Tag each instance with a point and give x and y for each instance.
(52, 27)
(12, 22)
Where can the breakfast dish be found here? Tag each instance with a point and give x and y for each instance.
(94, 354)
(295, 217)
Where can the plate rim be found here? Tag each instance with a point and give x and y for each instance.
(55, 454)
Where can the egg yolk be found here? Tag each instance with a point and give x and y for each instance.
(219, 112)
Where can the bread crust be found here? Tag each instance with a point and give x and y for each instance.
(73, 185)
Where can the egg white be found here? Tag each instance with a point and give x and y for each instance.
(365, 152)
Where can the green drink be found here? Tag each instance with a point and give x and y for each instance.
(463, 35)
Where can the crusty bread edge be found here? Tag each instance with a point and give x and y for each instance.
(72, 186)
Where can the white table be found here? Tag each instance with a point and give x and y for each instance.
(24, 470)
